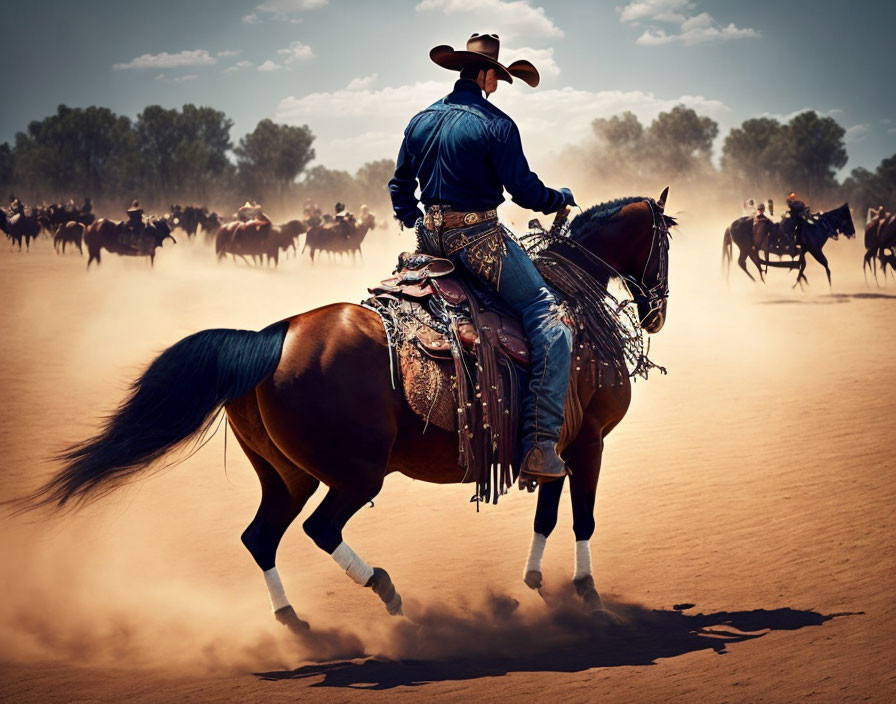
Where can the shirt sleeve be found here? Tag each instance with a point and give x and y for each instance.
(402, 188)
(524, 186)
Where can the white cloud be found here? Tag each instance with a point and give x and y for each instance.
(191, 57)
(885, 121)
(659, 10)
(515, 17)
(548, 119)
(283, 10)
(694, 28)
(238, 66)
(269, 66)
(288, 7)
(297, 51)
(228, 53)
(362, 83)
(856, 133)
(542, 58)
(176, 79)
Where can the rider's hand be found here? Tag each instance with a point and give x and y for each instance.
(568, 198)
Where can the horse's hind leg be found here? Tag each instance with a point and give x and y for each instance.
(280, 504)
(742, 263)
(325, 525)
(754, 257)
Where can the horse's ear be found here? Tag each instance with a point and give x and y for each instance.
(661, 203)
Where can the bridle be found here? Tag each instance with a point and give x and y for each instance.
(654, 297)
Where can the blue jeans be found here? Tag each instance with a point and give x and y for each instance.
(522, 287)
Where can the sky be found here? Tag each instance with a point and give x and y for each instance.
(356, 72)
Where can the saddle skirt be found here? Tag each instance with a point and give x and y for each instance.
(463, 360)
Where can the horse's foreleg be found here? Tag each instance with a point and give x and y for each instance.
(823, 260)
(545, 521)
(584, 459)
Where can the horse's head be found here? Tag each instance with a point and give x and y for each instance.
(632, 238)
(845, 224)
(161, 231)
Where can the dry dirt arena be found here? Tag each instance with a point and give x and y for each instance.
(745, 515)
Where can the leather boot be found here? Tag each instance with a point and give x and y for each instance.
(543, 463)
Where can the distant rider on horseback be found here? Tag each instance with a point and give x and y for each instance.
(798, 216)
(464, 152)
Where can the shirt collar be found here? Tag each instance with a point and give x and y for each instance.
(467, 87)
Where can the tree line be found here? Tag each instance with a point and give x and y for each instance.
(761, 157)
(169, 156)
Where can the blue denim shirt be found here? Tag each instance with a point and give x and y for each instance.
(464, 152)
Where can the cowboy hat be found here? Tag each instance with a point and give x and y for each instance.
(482, 49)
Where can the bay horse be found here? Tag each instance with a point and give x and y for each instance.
(70, 232)
(113, 237)
(880, 236)
(257, 239)
(751, 239)
(311, 401)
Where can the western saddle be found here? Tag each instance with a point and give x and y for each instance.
(463, 357)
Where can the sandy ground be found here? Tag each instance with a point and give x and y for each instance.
(752, 486)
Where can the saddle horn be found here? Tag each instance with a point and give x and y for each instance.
(661, 203)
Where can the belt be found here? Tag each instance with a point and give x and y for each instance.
(438, 218)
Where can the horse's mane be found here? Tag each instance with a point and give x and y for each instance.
(602, 212)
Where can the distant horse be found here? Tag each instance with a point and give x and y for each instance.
(880, 236)
(814, 234)
(342, 236)
(69, 233)
(751, 239)
(115, 237)
(22, 226)
(311, 399)
(257, 239)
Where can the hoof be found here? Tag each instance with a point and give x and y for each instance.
(533, 579)
(287, 616)
(585, 589)
(382, 586)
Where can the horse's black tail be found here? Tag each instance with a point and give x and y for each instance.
(175, 399)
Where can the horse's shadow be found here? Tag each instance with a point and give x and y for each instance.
(450, 647)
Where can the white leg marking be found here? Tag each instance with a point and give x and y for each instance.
(536, 553)
(275, 589)
(353, 565)
(583, 559)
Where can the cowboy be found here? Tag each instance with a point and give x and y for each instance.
(247, 212)
(798, 215)
(135, 218)
(759, 213)
(464, 153)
